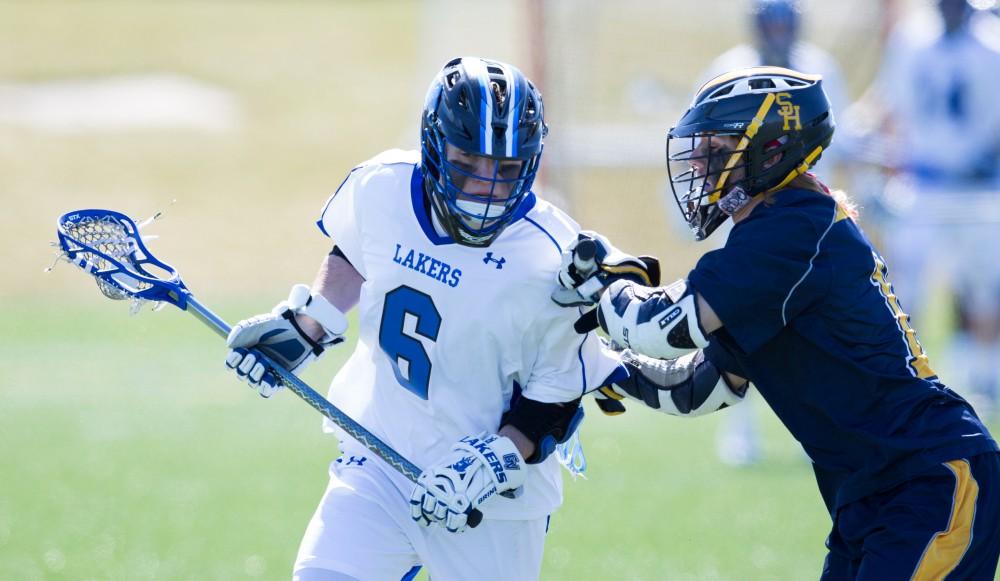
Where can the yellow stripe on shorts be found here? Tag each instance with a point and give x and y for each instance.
(947, 548)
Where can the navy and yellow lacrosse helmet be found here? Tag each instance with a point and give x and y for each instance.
(783, 123)
(484, 108)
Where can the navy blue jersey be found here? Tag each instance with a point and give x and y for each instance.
(810, 317)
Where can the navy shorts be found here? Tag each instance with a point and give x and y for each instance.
(943, 524)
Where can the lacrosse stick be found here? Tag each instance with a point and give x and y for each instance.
(107, 245)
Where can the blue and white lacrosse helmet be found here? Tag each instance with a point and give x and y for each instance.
(481, 142)
(776, 27)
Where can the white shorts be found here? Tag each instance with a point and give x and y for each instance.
(362, 528)
(948, 235)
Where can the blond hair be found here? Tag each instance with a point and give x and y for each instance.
(808, 181)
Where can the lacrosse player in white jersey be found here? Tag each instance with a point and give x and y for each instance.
(463, 364)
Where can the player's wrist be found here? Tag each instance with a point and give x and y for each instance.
(314, 316)
(525, 445)
(310, 327)
(500, 458)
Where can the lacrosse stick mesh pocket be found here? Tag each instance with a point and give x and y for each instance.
(110, 238)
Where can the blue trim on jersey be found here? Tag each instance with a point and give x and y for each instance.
(526, 205)
(619, 375)
(583, 365)
(329, 201)
(421, 211)
(539, 226)
(411, 574)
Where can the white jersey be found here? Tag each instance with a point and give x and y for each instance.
(446, 331)
(942, 93)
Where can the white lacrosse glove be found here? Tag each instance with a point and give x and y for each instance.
(591, 263)
(656, 322)
(476, 469)
(278, 336)
(688, 386)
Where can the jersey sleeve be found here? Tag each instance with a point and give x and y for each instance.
(721, 357)
(567, 364)
(765, 276)
(341, 219)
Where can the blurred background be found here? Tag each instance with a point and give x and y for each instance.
(129, 454)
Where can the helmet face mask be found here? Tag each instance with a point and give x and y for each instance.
(747, 132)
(481, 144)
(708, 173)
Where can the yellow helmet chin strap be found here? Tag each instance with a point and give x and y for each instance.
(799, 169)
(749, 134)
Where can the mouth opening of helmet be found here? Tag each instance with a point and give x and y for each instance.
(704, 168)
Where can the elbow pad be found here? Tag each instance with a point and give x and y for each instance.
(689, 386)
(656, 322)
(545, 424)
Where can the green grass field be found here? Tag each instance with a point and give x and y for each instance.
(129, 453)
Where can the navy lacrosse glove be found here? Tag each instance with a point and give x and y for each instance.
(608, 401)
(589, 265)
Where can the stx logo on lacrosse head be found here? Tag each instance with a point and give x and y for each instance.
(499, 262)
(788, 111)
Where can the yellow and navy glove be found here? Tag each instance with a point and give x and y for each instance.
(591, 263)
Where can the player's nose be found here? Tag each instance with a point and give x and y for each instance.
(482, 183)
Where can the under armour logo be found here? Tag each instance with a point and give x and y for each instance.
(359, 460)
(489, 258)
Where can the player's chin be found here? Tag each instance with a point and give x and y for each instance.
(480, 224)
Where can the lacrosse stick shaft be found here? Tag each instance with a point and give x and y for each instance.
(107, 245)
(311, 397)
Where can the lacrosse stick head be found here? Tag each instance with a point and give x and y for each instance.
(107, 245)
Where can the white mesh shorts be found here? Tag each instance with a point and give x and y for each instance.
(362, 528)
(944, 238)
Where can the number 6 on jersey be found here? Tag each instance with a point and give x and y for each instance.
(410, 361)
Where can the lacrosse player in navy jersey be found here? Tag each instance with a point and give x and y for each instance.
(463, 365)
(800, 304)
(776, 27)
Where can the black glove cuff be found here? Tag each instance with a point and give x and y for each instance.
(317, 349)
